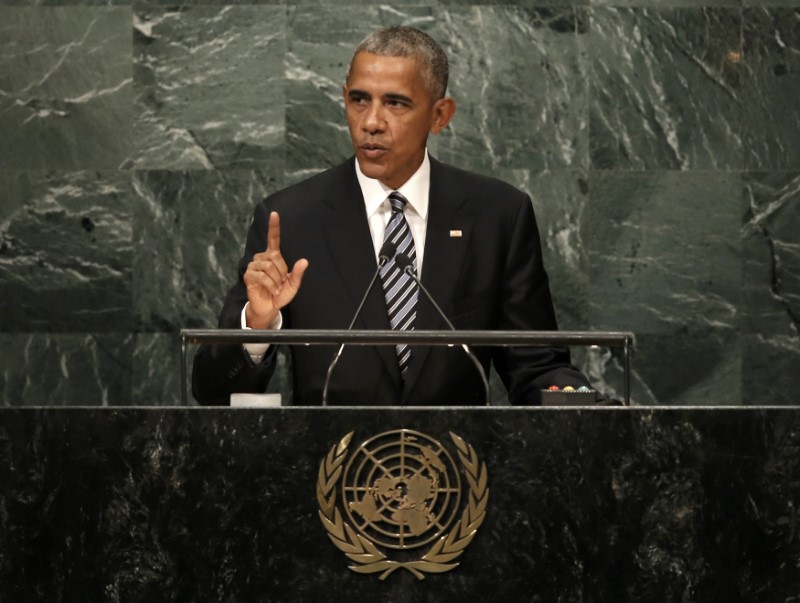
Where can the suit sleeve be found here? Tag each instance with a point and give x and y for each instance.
(222, 369)
(526, 304)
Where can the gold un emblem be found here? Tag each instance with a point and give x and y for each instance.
(401, 493)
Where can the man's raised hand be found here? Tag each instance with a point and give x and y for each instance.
(270, 285)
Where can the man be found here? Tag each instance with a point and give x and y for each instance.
(313, 248)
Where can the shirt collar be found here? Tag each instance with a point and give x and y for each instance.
(415, 189)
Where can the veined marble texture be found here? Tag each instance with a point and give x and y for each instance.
(537, 3)
(665, 262)
(65, 251)
(772, 253)
(66, 369)
(209, 87)
(771, 291)
(521, 92)
(771, 112)
(65, 87)
(656, 138)
(666, 88)
(49, 3)
(665, 250)
(689, 3)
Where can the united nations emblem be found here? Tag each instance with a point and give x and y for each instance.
(401, 491)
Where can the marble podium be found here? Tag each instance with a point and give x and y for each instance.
(586, 504)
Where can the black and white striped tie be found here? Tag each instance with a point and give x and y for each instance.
(400, 289)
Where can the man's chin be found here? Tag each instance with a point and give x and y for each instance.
(371, 169)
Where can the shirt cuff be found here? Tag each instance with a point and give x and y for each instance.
(258, 350)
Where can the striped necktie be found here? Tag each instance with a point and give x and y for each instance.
(400, 289)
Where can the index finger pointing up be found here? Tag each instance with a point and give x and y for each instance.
(274, 232)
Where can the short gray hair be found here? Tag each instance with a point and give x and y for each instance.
(404, 41)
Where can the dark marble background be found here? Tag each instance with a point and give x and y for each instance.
(659, 140)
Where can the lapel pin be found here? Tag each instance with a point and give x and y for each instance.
(455, 233)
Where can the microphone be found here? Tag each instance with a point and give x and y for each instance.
(384, 255)
(404, 263)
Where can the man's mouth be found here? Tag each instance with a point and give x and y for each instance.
(372, 150)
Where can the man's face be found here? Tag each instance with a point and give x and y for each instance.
(390, 112)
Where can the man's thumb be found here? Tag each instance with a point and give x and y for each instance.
(299, 269)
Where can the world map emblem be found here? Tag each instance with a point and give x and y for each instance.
(406, 501)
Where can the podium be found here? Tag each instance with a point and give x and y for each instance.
(584, 504)
(373, 337)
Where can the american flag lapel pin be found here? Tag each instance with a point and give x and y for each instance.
(454, 234)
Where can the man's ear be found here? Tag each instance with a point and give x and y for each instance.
(443, 111)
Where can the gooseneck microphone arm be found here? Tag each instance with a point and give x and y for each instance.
(384, 255)
(404, 263)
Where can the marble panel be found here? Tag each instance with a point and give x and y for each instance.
(769, 369)
(520, 89)
(218, 3)
(65, 87)
(321, 41)
(664, 251)
(770, 3)
(156, 370)
(771, 288)
(584, 505)
(771, 252)
(666, 89)
(537, 3)
(49, 3)
(771, 119)
(65, 369)
(695, 367)
(666, 3)
(190, 228)
(209, 87)
(65, 251)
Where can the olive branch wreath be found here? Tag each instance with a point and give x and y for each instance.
(367, 557)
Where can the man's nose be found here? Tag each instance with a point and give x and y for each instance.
(374, 120)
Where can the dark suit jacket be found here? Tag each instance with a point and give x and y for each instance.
(491, 277)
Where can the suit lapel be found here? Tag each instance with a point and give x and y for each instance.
(447, 241)
(350, 246)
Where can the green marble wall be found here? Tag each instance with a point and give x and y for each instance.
(658, 139)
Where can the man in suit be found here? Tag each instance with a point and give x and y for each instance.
(313, 248)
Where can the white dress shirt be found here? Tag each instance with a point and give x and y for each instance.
(379, 210)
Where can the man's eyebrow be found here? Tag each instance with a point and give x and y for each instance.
(357, 94)
(398, 97)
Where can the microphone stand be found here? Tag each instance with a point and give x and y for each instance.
(386, 253)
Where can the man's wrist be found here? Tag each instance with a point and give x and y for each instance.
(275, 324)
(258, 350)
(252, 321)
